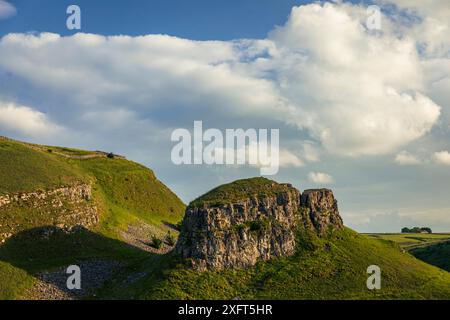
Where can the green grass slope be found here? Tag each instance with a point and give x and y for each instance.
(130, 191)
(332, 268)
(124, 192)
(26, 169)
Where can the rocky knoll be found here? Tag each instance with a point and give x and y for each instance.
(237, 224)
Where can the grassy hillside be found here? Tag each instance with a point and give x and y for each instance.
(131, 191)
(125, 193)
(333, 268)
(123, 189)
(26, 169)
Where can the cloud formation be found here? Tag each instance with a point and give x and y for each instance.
(430, 23)
(406, 158)
(320, 178)
(6, 10)
(442, 157)
(322, 72)
(25, 121)
(348, 85)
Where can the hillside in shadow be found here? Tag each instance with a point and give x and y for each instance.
(46, 252)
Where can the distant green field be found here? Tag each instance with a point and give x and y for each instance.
(431, 248)
(409, 241)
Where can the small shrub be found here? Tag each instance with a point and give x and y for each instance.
(241, 227)
(110, 155)
(170, 239)
(259, 225)
(156, 242)
(255, 226)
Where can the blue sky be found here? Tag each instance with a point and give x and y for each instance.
(337, 92)
(197, 19)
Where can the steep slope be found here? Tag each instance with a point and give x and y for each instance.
(127, 189)
(47, 191)
(324, 265)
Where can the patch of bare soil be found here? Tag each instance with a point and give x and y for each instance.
(139, 235)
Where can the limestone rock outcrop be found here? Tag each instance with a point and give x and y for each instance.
(322, 209)
(239, 233)
(64, 207)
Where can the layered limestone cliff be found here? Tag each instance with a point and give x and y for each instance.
(237, 233)
(64, 207)
(322, 209)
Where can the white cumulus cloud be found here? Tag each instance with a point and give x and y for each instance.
(289, 159)
(6, 10)
(406, 158)
(26, 121)
(431, 26)
(442, 157)
(347, 85)
(320, 178)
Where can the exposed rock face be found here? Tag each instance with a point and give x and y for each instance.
(64, 207)
(238, 234)
(323, 209)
